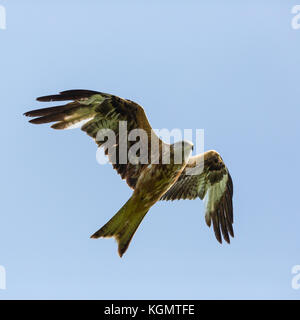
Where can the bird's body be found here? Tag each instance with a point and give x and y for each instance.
(150, 180)
(155, 180)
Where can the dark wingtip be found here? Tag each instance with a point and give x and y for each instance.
(69, 95)
(226, 237)
(216, 227)
(33, 121)
(227, 240)
(50, 98)
(230, 230)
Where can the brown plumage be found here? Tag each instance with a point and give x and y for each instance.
(150, 183)
(193, 186)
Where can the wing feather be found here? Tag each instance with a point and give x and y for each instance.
(97, 110)
(214, 186)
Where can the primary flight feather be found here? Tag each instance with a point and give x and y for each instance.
(150, 181)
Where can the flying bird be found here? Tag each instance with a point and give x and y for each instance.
(151, 182)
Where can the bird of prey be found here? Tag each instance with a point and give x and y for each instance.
(150, 182)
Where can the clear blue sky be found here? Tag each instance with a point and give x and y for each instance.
(231, 69)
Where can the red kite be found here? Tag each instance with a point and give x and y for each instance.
(150, 182)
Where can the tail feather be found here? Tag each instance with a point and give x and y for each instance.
(122, 226)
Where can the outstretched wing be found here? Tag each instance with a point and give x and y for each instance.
(214, 185)
(98, 111)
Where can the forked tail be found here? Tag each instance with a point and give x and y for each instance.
(122, 225)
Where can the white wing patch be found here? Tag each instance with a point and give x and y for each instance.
(214, 194)
(78, 124)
